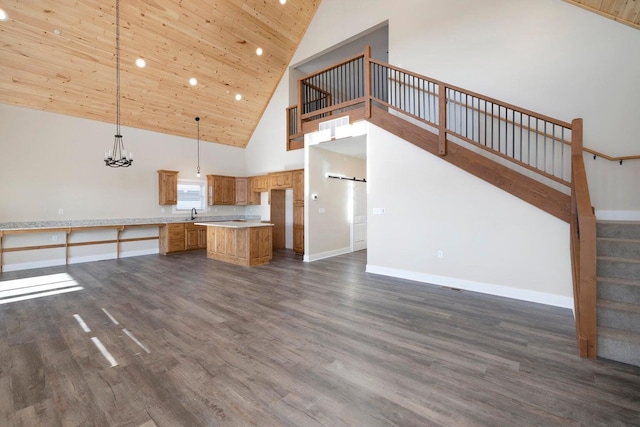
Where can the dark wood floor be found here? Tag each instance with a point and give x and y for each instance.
(293, 344)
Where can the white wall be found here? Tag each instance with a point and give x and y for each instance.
(52, 161)
(547, 55)
(329, 220)
(490, 241)
(267, 149)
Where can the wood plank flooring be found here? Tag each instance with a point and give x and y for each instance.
(202, 343)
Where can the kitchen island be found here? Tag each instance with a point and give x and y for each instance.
(247, 243)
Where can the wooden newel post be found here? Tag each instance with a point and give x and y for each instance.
(367, 82)
(442, 119)
(576, 137)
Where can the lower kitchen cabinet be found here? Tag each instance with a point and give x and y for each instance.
(180, 237)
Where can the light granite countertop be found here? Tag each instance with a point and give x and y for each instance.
(30, 225)
(235, 224)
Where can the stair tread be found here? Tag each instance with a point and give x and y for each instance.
(618, 239)
(617, 281)
(615, 258)
(620, 306)
(611, 221)
(619, 334)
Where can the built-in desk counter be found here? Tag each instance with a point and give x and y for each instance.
(246, 243)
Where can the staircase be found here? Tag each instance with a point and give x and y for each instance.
(534, 157)
(618, 270)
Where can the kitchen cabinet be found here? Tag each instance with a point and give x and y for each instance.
(298, 210)
(221, 190)
(168, 187)
(260, 183)
(242, 191)
(172, 238)
(280, 180)
(195, 236)
(182, 236)
(253, 196)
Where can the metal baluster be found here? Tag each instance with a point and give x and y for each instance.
(544, 165)
(562, 154)
(537, 150)
(520, 135)
(553, 149)
(513, 134)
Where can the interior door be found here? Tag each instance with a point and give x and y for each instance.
(359, 221)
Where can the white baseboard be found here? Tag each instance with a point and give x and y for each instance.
(469, 285)
(618, 215)
(77, 260)
(35, 264)
(128, 254)
(328, 254)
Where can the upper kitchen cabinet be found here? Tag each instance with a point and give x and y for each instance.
(168, 187)
(280, 180)
(221, 190)
(260, 183)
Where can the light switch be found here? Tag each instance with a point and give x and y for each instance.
(321, 210)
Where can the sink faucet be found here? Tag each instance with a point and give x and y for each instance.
(194, 213)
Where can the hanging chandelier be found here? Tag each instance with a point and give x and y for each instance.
(198, 170)
(118, 157)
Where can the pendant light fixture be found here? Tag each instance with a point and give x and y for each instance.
(198, 170)
(118, 157)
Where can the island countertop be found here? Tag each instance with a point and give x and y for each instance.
(235, 224)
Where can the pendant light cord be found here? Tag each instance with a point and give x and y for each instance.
(198, 122)
(118, 67)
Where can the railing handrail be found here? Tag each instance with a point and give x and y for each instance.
(476, 94)
(330, 67)
(611, 158)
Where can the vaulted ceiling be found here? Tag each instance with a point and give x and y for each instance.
(59, 56)
(624, 11)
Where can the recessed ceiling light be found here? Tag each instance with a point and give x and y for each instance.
(3, 15)
(259, 51)
(56, 32)
(283, 1)
(193, 81)
(141, 63)
(238, 97)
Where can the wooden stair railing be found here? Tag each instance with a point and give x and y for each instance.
(583, 250)
(543, 156)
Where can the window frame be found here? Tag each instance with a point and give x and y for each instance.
(177, 208)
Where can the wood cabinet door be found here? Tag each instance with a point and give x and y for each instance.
(281, 180)
(242, 191)
(298, 186)
(260, 183)
(298, 239)
(167, 187)
(221, 190)
(176, 238)
(192, 242)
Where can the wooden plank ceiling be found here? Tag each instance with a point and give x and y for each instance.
(59, 56)
(623, 11)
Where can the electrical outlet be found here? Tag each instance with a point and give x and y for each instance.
(54, 238)
(60, 211)
(440, 254)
